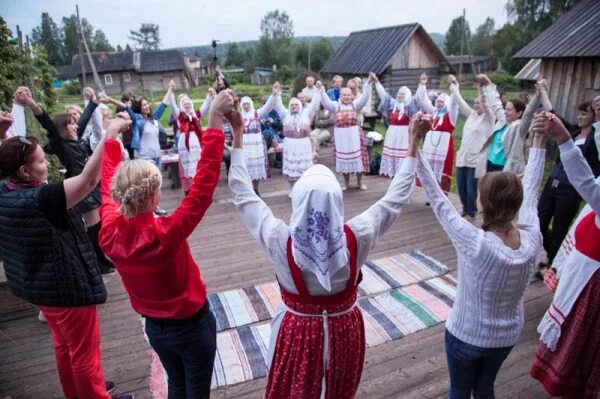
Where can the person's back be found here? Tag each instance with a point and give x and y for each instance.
(154, 258)
(495, 263)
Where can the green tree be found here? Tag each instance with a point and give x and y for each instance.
(320, 52)
(119, 48)
(481, 44)
(275, 45)
(249, 60)
(459, 29)
(72, 37)
(128, 49)
(49, 36)
(507, 41)
(15, 68)
(101, 43)
(146, 38)
(535, 16)
(234, 56)
(44, 75)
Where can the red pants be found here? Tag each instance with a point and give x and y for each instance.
(76, 335)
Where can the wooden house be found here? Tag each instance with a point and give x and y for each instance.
(140, 70)
(567, 54)
(397, 54)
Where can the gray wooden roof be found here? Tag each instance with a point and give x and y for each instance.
(372, 50)
(150, 61)
(575, 34)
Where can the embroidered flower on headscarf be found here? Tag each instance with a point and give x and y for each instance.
(318, 222)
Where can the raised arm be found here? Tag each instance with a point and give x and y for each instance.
(207, 102)
(464, 236)
(493, 98)
(165, 101)
(532, 178)
(174, 107)
(383, 95)
(360, 102)
(463, 107)
(255, 214)
(483, 81)
(97, 130)
(453, 106)
(90, 96)
(266, 108)
(421, 96)
(78, 187)
(195, 204)
(19, 126)
(328, 104)
(313, 107)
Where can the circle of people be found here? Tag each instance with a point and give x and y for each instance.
(103, 215)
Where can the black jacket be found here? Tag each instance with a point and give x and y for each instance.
(46, 264)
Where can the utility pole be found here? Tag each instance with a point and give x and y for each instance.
(462, 43)
(309, 48)
(79, 47)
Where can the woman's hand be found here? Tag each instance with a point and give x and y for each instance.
(89, 94)
(423, 78)
(319, 85)
(452, 80)
(276, 89)
(222, 104)
(118, 125)
(21, 95)
(171, 85)
(211, 92)
(548, 124)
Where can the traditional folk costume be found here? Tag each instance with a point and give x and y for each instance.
(297, 145)
(349, 154)
(317, 342)
(568, 356)
(438, 147)
(188, 145)
(255, 146)
(395, 145)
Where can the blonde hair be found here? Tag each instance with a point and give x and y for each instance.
(134, 185)
(75, 107)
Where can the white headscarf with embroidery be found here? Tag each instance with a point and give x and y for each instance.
(295, 118)
(317, 224)
(247, 115)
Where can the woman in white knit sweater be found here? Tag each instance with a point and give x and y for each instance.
(494, 267)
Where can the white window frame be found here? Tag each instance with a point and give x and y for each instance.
(108, 80)
(126, 77)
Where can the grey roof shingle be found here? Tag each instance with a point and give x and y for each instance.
(150, 61)
(371, 50)
(575, 34)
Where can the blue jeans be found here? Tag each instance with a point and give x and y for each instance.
(467, 189)
(472, 369)
(186, 349)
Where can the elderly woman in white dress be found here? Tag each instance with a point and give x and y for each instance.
(255, 146)
(347, 132)
(299, 151)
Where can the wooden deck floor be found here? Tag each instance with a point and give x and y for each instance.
(412, 367)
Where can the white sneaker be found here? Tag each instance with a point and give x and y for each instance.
(42, 318)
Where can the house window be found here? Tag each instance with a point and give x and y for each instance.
(108, 79)
(126, 77)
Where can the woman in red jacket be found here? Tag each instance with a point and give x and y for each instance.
(154, 259)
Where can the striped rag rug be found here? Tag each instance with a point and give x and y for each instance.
(400, 295)
(248, 305)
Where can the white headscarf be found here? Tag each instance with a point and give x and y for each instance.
(446, 99)
(247, 115)
(400, 106)
(184, 98)
(317, 224)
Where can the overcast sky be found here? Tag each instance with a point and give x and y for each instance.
(186, 23)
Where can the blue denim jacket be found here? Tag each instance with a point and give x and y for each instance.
(137, 123)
